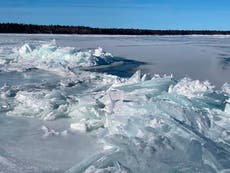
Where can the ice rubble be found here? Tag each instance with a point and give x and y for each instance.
(191, 88)
(226, 91)
(145, 124)
(50, 56)
(150, 127)
(226, 88)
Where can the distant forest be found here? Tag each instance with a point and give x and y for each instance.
(59, 29)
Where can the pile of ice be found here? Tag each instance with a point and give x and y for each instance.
(191, 88)
(51, 56)
(152, 130)
(145, 124)
(50, 104)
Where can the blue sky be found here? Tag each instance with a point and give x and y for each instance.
(149, 14)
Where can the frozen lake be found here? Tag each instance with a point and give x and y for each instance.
(198, 57)
(91, 103)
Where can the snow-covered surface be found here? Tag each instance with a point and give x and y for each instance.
(57, 117)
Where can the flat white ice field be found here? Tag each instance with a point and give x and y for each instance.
(138, 104)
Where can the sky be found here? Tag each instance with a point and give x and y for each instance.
(143, 14)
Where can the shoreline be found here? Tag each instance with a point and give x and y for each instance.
(108, 35)
(15, 28)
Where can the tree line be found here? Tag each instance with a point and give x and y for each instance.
(60, 29)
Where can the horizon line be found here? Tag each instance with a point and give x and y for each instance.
(91, 27)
